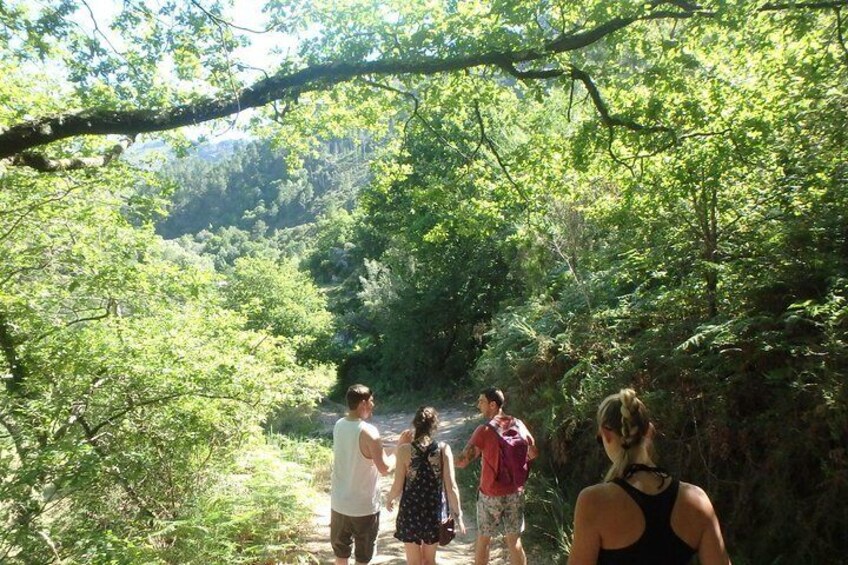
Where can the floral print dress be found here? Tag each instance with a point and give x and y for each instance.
(422, 504)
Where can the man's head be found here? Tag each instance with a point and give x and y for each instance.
(490, 402)
(360, 400)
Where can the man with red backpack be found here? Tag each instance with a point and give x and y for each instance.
(506, 447)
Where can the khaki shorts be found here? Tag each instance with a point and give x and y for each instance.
(345, 530)
(500, 513)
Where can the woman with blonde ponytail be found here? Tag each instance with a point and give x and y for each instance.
(641, 515)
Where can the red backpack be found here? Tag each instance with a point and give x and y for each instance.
(514, 465)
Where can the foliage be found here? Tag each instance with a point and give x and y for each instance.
(251, 189)
(128, 383)
(712, 280)
(226, 245)
(278, 299)
(256, 512)
(661, 205)
(424, 261)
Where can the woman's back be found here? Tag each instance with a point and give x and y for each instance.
(640, 516)
(422, 504)
(643, 521)
(425, 464)
(653, 540)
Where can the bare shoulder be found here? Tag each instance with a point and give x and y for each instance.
(694, 495)
(593, 504)
(370, 432)
(598, 495)
(696, 501)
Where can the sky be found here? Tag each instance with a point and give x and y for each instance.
(244, 13)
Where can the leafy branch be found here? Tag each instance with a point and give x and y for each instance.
(780, 6)
(18, 140)
(491, 146)
(22, 137)
(416, 114)
(222, 22)
(44, 164)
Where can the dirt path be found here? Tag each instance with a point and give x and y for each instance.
(455, 428)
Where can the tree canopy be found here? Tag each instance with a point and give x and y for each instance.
(186, 70)
(564, 198)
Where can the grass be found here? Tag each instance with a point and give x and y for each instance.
(549, 516)
(256, 514)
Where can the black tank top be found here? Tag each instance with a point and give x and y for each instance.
(659, 545)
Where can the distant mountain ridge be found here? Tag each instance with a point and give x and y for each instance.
(208, 151)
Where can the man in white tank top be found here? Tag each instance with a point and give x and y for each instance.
(358, 461)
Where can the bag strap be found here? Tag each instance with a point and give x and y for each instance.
(442, 478)
(495, 429)
(515, 423)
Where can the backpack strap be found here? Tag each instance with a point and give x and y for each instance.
(492, 424)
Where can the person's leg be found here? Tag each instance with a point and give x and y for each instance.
(481, 550)
(413, 554)
(488, 522)
(428, 553)
(341, 537)
(513, 522)
(516, 550)
(365, 530)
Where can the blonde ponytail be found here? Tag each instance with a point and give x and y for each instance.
(625, 415)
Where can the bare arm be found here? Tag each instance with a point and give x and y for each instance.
(449, 479)
(586, 542)
(711, 549)
(403, 457)
(532, 448)
(469, 454)
(372, 448)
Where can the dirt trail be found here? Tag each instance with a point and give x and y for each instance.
(455, 427)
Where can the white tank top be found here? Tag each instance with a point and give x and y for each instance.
(354, 489)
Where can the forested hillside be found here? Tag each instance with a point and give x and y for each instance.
(253, 189)
(563, 199)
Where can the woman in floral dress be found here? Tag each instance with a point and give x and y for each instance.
(423, 475)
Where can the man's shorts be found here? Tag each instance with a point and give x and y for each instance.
(357, 531)
(500, 513)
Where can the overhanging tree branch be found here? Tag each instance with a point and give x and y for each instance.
(594, 94)
(17, 140)
(42, 163)
(779, 6)
(607, 118)
(22, 137)
(539, 74)
(491, 145)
